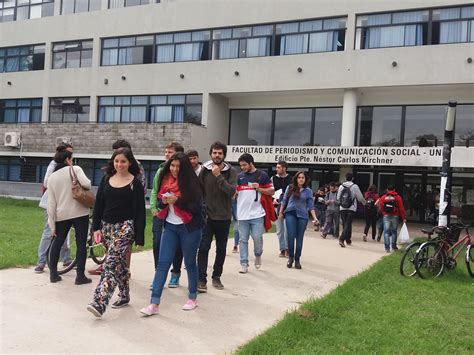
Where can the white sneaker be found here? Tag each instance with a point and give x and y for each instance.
(258, 262)
(244, 269)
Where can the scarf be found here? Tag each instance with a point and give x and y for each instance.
(170, 184)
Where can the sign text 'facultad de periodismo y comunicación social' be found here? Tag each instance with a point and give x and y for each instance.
(391, 156)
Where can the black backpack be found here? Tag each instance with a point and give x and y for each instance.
(370, 204)
(346, 200)
(389, 204)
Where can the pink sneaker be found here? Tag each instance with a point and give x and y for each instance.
(190, 305)
(149, 310)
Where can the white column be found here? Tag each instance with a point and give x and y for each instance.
(349, 115)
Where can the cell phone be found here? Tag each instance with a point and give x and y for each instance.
(168, 194)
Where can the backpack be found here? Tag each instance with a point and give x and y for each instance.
(346, 199)
(370, 204)
(389, 204)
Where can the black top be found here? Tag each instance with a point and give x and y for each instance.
(115, 205)
(281, 183)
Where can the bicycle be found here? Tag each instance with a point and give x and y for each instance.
(96, 251)
(433, 257)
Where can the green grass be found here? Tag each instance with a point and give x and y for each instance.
(379, 312)
(21, 225)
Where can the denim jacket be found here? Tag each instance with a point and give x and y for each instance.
(300, 205)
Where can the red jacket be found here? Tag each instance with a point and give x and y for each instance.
(399, 210)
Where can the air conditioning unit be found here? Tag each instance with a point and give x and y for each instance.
(60, 140)
(12, 139)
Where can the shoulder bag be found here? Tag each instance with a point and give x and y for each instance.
(80, 194)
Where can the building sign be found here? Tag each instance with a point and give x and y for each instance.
(385, 156)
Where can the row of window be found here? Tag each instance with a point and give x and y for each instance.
(17, 10)
(152, 109)
(377, 126)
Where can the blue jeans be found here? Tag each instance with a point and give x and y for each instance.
(174, 235)
(390, 225)
(296, 227)
(250, 227)
(45, 242)
(282, 234)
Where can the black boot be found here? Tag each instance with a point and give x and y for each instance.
(54, 277)
(81, 279)
(297, 264)
(290, 262)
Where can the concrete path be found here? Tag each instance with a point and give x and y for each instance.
(40, 317)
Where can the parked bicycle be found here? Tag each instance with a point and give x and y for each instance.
(434, 256)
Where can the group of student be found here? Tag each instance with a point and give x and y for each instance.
(191, 204)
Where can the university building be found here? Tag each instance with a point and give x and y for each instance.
(329, 86)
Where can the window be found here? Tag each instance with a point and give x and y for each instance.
(380, 126)
(69, 109)
(114, 4)
(163, 109)
(326, 35)
(21, 111)
(328, 125)
(242, 42)
(77, 6)
(74, 54)
(127, 50)
(17, 10)
(293, 127)
(453, 25)
(182, 46)
(424, 125)
(464, 126)
(25, 58)
(251, 127)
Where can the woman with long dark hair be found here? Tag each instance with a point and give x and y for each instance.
(371, 196)
(65, 212)
(118, 220)
(180, 199)
(297, 201)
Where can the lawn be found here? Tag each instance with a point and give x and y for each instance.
(379, 312)
(21, 226)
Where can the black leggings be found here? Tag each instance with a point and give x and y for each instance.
(370, 221)
(62, 229)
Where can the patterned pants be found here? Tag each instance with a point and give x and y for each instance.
(117, 237)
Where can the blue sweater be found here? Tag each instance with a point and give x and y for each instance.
(300, 205)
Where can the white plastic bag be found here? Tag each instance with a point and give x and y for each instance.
(404, 237)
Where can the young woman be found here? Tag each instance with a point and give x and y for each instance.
(118, 220)
(371, 196)
(64, 212)
(297, 201)
(180, 199)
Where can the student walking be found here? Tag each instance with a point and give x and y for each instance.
(252, 184)
(391, 207)
(180, 201)
(218, 180)
(296, 203)
(370, 210)
(320, 206)
(332, 212)
(280, 181)
(348, 195)
(119, 220)
(64, 212)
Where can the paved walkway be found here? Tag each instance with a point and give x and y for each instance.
(37, 316)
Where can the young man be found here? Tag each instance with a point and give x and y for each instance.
(193, 156)
(347, 195)
(251, 184)
(280, 181)
(332, 212)
(218, 180)
(391, 207)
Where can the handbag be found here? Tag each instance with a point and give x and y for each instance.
(80, 194)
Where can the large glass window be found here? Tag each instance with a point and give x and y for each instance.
(464, 126)
(379, 126)
(453, 25)
(182, 46)
(424, 125)
(17, 10)
(25, 58)
(21, 110)
(73, 54)
(251, 127)
(293, 127)
(69, 109)
(310, 36)
(169, 109)
(242, 42)
(127, 50)
(328, 125)
(113, 4)
(77, 6)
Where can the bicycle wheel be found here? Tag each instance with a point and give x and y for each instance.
(470, 260)
(430, 260)
(407, 264)
(67, 263)
(98, 251)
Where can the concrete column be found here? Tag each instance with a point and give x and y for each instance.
(349, 117)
